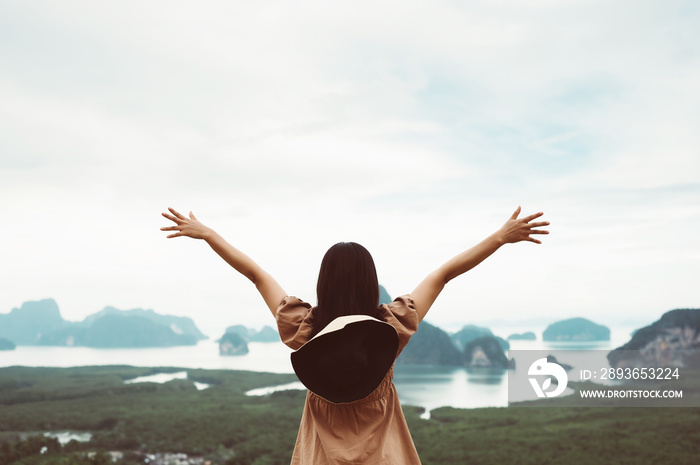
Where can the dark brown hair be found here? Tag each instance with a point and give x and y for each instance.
(347, 284)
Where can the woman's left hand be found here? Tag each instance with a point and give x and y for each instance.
(516, 230)
(190, 227)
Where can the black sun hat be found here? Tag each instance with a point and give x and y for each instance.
(348, 358)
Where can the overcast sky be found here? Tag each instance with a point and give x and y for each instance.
(412, 127)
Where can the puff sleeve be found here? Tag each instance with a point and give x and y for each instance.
(294, 321)
(401, 314)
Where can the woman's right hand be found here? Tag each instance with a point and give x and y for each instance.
(190, 227)
(270, 291)
(516, 230)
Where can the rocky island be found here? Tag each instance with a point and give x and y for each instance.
(430, 345)
(266, 334)
(26, 324)
(6, 344)
(526, 336)
(232, 344)
(40, 323)
(484, 352)
(672, 341)
(478, 347)
(236, 338)
(470, 332)
(576, 330)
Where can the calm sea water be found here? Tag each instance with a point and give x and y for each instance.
(426, 386)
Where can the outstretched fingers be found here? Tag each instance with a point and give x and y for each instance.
(179, 215)
(539, 224)
(187, 226)
(172, 218)
(536, 231)
(515, 213)
(172, 228)
(177, 218)
(527, 219)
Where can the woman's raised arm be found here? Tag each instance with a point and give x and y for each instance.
(514, 230)
(270, 291)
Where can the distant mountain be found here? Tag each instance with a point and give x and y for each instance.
(484, 352)
(433, 346)
(69, 336)
(40, 323)
(232, 344)
(240, 330)
(671, 341)
(25, 325)
(128, 330)
(266, 334)
(576, 330)
(115, 330)
(430, 345)
(526, 336)
(178, 324)
(469, 333)
(6, 344)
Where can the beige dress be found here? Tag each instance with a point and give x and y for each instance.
(372, 430)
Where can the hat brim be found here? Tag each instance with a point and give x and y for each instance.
(349, 361)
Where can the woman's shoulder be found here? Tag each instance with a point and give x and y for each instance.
(405, 300)
(401, 314)
(403, 305)
(294, 321)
